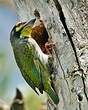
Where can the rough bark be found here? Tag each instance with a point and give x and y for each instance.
(71, 84)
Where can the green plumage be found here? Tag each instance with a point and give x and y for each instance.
(32, 63)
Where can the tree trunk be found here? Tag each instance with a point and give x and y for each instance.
(70, 70)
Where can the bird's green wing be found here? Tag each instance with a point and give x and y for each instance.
(39, 68)
(42, 70)
(31, 84)
(45, 82)
(34, 78)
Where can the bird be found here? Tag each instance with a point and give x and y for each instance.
(30, 57)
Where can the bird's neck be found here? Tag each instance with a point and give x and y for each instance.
(38, 52)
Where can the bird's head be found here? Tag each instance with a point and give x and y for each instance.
(21, 30)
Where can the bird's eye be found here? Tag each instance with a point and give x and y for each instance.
(25, 37)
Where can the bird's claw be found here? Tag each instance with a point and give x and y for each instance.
(49, 47)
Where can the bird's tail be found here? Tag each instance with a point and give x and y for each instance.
(53, 95)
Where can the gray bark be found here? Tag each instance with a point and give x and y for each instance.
(71, 85)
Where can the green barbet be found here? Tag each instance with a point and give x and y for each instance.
(28, 41)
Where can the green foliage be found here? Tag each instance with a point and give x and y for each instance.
(33, 101)
(1, 108)
(2, 61)
(4, 76)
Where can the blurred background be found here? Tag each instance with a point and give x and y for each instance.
(10, 76)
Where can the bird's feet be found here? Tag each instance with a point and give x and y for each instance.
(49, 47)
